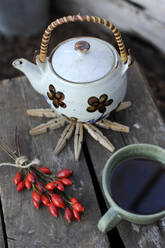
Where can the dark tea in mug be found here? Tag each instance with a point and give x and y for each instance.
(138, 186)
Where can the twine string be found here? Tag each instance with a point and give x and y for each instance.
(22, 162)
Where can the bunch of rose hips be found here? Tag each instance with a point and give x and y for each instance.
(48, 189)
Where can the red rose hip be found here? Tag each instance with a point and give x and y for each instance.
(31, 177)
(57, 200)
(76, 215)
(45, 200)
(39, 186)
(36, 196)
(59, 185)
(35, 204)
(64, 173)
(17, 178)
(45, 170)
(20, 186)
(78, 207)
(68, 215)
(50, 186)
(53, 209)
(28, 184)
(66, 181)
(73, 200)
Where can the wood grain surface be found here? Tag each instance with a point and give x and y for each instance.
(28, 227)
(25, 226)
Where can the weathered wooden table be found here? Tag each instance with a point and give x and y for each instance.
(23, 225)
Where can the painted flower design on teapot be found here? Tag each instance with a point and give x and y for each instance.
(56, 97)
(99, 103)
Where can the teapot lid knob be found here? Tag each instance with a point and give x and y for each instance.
(82, 46)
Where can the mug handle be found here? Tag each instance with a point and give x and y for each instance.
(109, 220)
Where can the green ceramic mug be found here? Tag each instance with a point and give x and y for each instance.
(115, 214)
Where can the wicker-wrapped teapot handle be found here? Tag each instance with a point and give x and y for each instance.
(75, 18)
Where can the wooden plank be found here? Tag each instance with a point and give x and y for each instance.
(26, 226)
(146, 127)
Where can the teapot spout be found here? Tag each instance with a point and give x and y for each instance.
(30, 70)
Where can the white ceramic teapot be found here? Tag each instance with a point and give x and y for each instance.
(84, 78)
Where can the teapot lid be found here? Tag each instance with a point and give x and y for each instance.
(83, 59)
